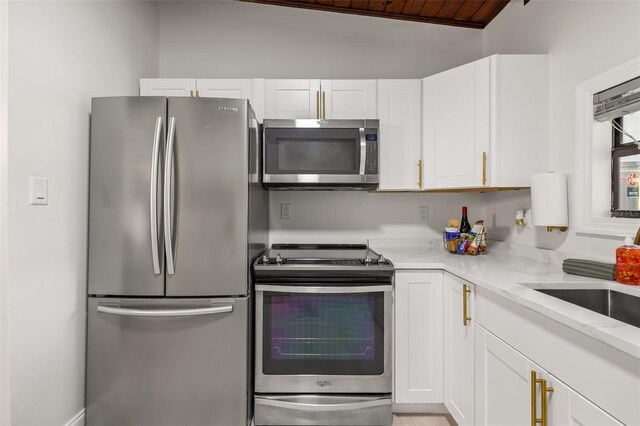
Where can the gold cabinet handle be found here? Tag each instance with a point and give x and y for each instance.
(419, 174)
(318, 104)
(324, 106)
(466, 291)
(197, 93)
(534, 403)
(484, 168)
(191, 93)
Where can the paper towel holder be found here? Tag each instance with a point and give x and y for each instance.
(549, 201)
(559, 228)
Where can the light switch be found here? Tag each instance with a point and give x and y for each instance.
(39, 188)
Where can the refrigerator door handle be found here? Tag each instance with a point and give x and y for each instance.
(164, 312)
(153, 199)
(168, 176)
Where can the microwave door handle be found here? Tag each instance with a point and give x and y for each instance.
(363, 151)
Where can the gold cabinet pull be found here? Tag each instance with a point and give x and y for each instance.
(419, 174)
(534, 403)
(191, 93)
(324, 106)
(484, 168)
(197, 93)
(318, 104)
(466, 291)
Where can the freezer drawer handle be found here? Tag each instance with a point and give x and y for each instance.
(165, 312)
(323, 407)
(168, 217)
(153, 202)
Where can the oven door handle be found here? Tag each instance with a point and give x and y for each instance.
(323, 407)
(308, 288)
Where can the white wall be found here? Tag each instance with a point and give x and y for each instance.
(234, 39)
(583, 39)
(60, 55)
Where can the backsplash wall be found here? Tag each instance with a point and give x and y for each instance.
(354, 216)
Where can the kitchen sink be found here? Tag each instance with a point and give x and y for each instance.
(621, 306)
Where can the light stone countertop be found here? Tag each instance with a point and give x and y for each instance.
(512, 271)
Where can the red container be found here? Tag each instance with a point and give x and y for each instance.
(628, 263)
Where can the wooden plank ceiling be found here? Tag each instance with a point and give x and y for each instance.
(460, 13)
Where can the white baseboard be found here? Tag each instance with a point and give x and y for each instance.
(77, 420)
(420, 408)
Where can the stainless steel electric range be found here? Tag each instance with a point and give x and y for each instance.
(323, 336)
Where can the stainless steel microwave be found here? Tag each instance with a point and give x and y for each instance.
(320, 154)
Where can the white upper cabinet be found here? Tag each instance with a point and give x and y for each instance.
(348, 99)
(418, 337)
(243, 88)
(225, 88)
(168, 87)
(456, 125)
(321, 99)
(292, 99)
(399, 111)
(485, 124)
(458, 349)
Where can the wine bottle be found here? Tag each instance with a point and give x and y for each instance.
(465, 227)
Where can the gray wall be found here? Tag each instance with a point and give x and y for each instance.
(583, 39)
(60, 54)
(234, 39)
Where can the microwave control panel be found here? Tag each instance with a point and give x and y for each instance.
(371, 165)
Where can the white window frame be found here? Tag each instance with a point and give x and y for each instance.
(587, 219)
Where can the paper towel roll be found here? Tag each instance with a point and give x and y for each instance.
(549, 200)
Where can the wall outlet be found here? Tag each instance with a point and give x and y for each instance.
(285, 211)
(423, 213)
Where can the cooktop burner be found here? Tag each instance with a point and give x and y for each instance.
(322, 262)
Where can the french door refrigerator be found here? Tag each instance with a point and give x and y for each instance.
(177, 213)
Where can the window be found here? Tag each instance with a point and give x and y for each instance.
(625, 162)
(620, 105)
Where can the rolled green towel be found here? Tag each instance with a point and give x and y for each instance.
(590, 268)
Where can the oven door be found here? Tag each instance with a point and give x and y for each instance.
(316, 339)
(318, 155)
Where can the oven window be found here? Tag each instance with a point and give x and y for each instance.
(312, 151)
(333, 334)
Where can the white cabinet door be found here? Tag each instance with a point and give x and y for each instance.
(168, 87)
(567, 407)
(458, 349)
(291, 99)
(456, 126)
(502, 382)
(399, 110)
(349, 99)
(246, 88)
(224, 87)
(418, 337)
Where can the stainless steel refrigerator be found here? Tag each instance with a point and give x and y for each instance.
(177, 213)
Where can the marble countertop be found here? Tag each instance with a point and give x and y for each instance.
(512, 271)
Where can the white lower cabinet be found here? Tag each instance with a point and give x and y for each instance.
(458, 349)
(567, 407)
(506, 395)
(418, 337)
(502, 388)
